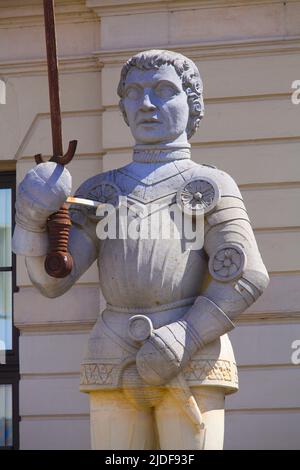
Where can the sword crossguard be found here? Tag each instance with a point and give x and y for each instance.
(62, 160)
(59, 262)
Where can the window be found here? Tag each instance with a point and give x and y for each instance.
(6, 426)
(9, 354)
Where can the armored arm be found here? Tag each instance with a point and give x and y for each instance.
(237, 277)
(41, 193)
(237, 274)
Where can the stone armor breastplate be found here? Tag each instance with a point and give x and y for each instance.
(157, 277)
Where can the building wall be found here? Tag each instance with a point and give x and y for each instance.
(248, 53)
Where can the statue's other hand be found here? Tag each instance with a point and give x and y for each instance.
(41, 193)
(162, 356)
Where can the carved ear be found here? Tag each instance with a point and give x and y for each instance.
(121, 106)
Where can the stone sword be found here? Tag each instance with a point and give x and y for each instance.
(140, 328)
(84, 202)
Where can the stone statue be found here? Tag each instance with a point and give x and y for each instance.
(159, 362)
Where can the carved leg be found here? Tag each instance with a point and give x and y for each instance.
(176, 431)
(117, 425)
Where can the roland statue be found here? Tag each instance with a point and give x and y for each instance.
(159, 362)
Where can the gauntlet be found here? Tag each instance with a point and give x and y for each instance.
(171, 347)
(41, 193)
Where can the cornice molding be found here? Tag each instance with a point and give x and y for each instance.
(218, 143)
(88, 63)
(97, 60)
(211, 49)
(28, 158)
(124, 7)
(228, 99)
(56, 327)
(14, 13)
(205, 51)
(268, 317)
(86, 325)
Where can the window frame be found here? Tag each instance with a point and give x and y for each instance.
(9, 372)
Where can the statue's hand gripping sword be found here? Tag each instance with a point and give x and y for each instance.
(58, 262)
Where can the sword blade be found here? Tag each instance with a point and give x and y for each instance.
(84, 202)
(53, 78)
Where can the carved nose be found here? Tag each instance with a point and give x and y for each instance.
(147, 103)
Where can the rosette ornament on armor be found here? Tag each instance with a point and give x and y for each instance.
(227, 263)
(198, 196)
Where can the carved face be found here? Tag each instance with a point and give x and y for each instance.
(156, 106)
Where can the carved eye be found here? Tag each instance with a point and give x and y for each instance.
(164, 90)
(133, 92)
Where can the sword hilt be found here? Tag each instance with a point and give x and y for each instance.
(62, 160)
(59, 262)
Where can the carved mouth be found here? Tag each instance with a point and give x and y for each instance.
(149, 121)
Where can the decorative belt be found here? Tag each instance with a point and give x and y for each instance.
(156, 308)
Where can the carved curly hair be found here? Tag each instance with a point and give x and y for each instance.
(185, 69)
